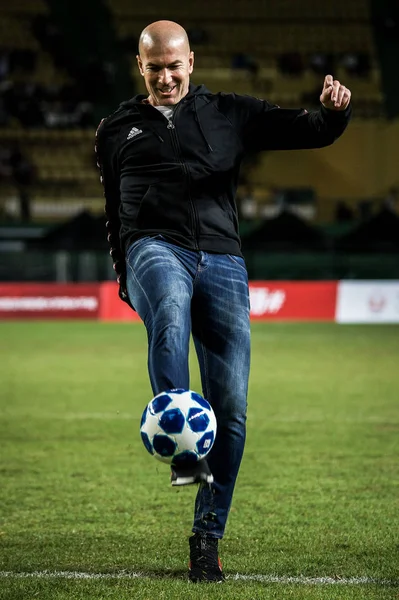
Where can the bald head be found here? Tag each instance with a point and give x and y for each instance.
(163, 35)
(166, 62)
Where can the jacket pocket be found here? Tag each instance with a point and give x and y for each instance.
(142, 204)
(133, 198)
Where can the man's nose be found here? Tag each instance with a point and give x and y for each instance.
(165, 76)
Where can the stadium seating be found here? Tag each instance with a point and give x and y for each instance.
(63, 159)
(263, 32)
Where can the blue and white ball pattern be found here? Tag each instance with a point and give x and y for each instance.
(178, 425)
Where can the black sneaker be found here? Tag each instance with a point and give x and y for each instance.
(186, 475)
(205, 563)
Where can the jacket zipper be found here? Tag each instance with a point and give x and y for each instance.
(176, 144)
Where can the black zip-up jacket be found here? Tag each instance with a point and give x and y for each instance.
(179, 179)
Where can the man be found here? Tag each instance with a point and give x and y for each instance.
(169, 164)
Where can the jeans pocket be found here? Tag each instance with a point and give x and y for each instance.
(135, 244)
(141, 240)
(238, 260)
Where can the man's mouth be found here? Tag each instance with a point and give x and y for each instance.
(168, 90)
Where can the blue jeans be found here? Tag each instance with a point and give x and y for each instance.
(179, 292)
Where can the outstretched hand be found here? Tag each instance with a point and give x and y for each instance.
(334, 95)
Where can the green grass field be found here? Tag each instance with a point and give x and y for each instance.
(317, 495)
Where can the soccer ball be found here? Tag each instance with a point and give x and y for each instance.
(178, 425)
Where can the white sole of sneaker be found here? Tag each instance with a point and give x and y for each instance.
(191, 480)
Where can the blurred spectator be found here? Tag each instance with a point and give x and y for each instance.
(391, 200)
(245, 62)
(197, 35)
(17, 169)
(94, 77)
(365, 209)
(321, 63)
(357, 64)
(28, 109)
(22, 60)
(59, 116)
(45, 106)
(5, 168)
(343, 212)
(4, 63)
(291, 63)
(389, 23)
(55, 117)
(84, 113)
(51, 39)
(247, 206)
(4, 115)
(22, 101)
(130, 45)
(23, 175)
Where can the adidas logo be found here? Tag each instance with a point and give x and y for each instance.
(133, 132)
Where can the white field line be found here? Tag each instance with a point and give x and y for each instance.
(301, 579)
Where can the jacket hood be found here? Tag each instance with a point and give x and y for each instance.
(193, 91)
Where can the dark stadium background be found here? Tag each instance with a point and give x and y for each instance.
(325, 214)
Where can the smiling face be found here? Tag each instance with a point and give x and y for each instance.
(166, 64)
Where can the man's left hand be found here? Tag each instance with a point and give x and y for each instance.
(334, 95)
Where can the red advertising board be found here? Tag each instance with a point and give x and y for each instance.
(49, 301)
(293, 300)
(270, 300)
(112, 308)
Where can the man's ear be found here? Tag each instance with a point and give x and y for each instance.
(191, 62)
(140, 64)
